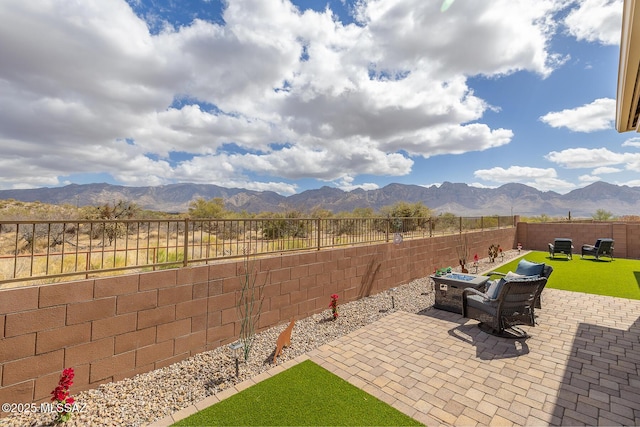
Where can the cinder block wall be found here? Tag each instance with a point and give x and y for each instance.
(536, 236)
(116, 327)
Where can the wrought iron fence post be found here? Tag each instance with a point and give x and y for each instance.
(388, 228)
(318, 231)
(186, 242)
(87, 264)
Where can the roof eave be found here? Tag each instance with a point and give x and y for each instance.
(628, 95)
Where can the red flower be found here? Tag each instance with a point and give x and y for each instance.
(475, 258)
(61, 394)
(58, 394)
(334, 305)
(68, 373)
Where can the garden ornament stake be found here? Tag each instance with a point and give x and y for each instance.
(235, 348)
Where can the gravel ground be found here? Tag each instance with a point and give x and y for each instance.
(153, 395)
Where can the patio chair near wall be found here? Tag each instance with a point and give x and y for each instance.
(561, 246)
(513, 306)
(603, 247)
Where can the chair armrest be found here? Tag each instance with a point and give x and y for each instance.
(495, 273)
(467, 291)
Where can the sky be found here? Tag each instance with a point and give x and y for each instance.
(287, 96)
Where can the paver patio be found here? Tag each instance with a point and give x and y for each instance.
(579, 367)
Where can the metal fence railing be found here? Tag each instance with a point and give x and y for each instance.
(45, 251)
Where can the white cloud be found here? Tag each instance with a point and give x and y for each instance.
(220, 168)
(589, 179)
(436, 184)
(605, 170)
(86, 88)
(632, 142)
(542, 179)
(491, 38)
(346, 184)
(574, 158)
(596, 21)
(551, 184)
(600, 159)
(277, 187)
(630, 183)
(514, 174)
(632, 162)
(481, 185)
(327, 164)
(599, 115)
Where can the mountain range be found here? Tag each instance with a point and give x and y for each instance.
(457, 198)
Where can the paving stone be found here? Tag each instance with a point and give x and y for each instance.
(511, 416)
(487, 408)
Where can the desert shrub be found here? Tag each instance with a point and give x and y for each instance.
(109, 261)
(343, 226)
(446, 222)
(286, 225)
(175, 257)
(213, 208)
(228, 230)
(286, 245)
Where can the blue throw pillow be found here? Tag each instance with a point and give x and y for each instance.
(528, 268)
(494, 288)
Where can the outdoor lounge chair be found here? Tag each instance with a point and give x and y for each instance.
(513, 306)
(528, 268)
(561, 246)
(603, 247)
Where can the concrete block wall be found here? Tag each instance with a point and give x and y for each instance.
(115, 327)
(537, 236)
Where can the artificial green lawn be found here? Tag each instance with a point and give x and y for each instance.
(617, 278)
(303, 395)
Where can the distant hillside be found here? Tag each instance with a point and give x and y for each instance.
(456, 198)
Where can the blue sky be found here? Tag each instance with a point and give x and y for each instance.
(289, 96)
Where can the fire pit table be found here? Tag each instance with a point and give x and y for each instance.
(449, 287)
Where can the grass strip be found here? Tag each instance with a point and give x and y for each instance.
(617, 278)
(303, 395)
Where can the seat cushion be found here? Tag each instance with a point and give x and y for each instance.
(528, 268)
(479, 303)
